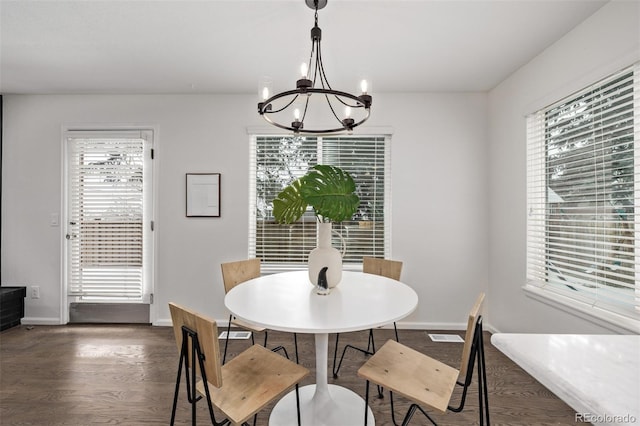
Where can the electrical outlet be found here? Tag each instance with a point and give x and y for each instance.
(35, 292)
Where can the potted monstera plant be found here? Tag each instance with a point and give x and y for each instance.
(331, 193)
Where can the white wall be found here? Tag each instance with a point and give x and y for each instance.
(459, 184)
(603, 44)
(439, 194)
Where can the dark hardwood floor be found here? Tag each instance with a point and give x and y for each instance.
(125, 375)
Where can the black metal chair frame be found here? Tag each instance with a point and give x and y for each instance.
(196, 353)
(226, 341)
(266, 335)
(477, 354)
(371, 349)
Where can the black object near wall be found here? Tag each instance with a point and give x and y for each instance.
(11, 306)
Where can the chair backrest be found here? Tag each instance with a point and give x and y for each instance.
(474, 315)
(207, 331)
(387, 268)
(234, 273)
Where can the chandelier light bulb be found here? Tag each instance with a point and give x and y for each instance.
(265, 91)
(304, 69)
(296, 114)
(364, 86)
(347, 112)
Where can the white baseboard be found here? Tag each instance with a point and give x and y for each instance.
(414, 325)
(40, 321)
(428, 325)
(490, 328)
(441, 326)
(163, 323)
(167, 323)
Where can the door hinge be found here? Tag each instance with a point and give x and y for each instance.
(153, 153)
(153, 225)
(151, 299)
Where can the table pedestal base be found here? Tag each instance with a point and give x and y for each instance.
(344, 407)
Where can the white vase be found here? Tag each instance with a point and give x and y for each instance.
(325, 255)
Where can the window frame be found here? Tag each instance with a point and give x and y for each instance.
(270, 267)
(537, 244)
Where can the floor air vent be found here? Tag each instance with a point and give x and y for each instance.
(450, 338)
(235, 335)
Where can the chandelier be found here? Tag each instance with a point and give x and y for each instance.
(313, 90)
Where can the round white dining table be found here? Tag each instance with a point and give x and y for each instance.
(288, 302)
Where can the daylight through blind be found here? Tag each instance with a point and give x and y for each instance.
(278, 160)
(106, 217)
(583, 193)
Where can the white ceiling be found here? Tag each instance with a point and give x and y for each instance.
(227, 46)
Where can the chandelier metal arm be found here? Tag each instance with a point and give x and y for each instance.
(363, 101)
(284, 107)
(324, 81)
(314, 131)
(326, 96)
(306, 107)
(320, 66)
(263, 107)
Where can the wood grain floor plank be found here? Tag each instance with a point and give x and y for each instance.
(125, 375)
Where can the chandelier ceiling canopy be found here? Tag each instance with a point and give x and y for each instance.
(313, 91)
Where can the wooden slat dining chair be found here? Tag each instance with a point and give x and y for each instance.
(234, 273)
(371, 265)
(239, 389)
(427, 382)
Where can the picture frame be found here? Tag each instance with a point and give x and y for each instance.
(203, 195)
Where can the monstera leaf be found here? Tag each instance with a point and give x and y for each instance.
(328, 189)
(289, 206)
(331, 192)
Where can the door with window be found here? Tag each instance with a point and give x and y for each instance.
(109, 225)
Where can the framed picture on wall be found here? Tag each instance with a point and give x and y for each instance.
(203, 194)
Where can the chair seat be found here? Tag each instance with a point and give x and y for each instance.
(404, 370)
(252, 380)
(246, 325)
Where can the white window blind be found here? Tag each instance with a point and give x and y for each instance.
(367, 160)
(278, 160)
(583, 192)
(105, 213)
